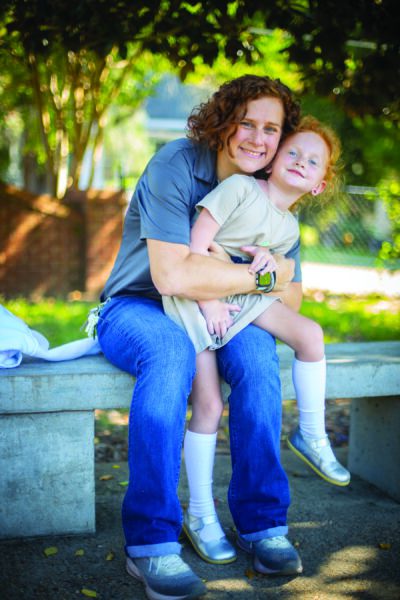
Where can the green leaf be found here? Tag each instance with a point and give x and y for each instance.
(50, 551)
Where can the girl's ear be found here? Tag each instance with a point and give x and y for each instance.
(318, 189)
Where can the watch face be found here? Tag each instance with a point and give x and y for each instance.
(264, 279)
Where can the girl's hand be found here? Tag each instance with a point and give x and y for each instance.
(218, 316)
(263, 261)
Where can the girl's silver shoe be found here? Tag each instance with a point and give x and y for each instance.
(310, 450)
(217, 552)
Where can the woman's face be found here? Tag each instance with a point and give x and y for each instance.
(253, 145)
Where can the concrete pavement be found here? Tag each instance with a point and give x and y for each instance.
(349, 541)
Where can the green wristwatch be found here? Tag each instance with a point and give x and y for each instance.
(265, 283)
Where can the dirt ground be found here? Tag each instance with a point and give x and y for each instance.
(348, 538)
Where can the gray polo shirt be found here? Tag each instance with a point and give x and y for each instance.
(162, 208)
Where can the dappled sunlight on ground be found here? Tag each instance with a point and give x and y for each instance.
(233, 585)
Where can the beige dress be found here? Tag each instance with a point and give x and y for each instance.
(246, 216)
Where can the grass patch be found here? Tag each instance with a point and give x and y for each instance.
(354, 319)
(343, 318)
(60, 321)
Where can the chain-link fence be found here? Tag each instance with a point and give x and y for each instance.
(347, 230)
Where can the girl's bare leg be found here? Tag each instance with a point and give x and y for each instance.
(207, 403)
(309, 366)
(199, 449)
(304, 336)
(310, 442)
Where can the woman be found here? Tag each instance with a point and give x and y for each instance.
(237, 131)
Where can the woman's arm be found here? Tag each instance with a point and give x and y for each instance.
(178, 270)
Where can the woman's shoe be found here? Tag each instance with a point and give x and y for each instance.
(273, 556)
(311, 451)
(216, 551)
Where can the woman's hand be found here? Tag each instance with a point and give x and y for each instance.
(218, 316)
(263, 261)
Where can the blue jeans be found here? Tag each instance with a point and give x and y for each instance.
(136, 336)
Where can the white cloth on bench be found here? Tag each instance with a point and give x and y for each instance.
(17, 339)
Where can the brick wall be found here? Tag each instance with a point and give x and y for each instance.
(53, 248)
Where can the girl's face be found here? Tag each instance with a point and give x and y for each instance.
(301, 163)
(253, 145)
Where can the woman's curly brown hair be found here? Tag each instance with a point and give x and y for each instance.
(209, 122)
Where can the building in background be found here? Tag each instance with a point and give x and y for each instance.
(168, 109)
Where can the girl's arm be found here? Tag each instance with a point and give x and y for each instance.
(218, 314)
(192, 273)
(203, 232)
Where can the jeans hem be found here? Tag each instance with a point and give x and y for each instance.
(153, 550)
(266, 533)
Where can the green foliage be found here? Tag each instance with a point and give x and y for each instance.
(70, 91)
(59, 321)
(354, 319)
(71, 62)
(370, 144)
(127, 147)
(337, 256)
(343, 318)
(389, 192)
(269, 56)
(348, 51)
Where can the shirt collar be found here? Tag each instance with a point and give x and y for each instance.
(205, 164)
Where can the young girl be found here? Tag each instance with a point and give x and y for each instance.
(241, 209)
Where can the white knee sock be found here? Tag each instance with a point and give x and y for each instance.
(199, 449)
(309, 380)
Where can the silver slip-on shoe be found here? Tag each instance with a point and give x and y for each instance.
(215, 551)
(311, 451)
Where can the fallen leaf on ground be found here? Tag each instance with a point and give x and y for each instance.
(123, 483)
(116, 466)
(110, 556)
(250, 574)
(89, 593)
(384, 546)
(79, 552)
(106, 477)
(50, 551)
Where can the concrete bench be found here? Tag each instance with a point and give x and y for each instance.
(47, 430)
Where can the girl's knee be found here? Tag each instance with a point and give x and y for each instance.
(211, 408)
(316, 334)
(206, 414)
(310, 344)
